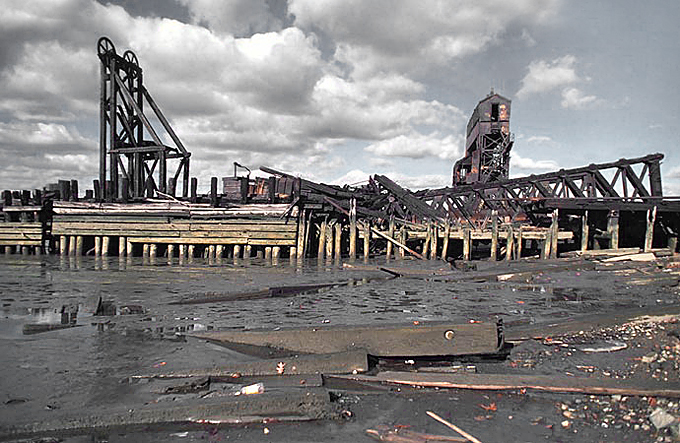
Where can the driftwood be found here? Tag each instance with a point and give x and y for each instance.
(592, 386)
(454, 427)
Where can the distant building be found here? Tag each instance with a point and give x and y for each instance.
(488, 143)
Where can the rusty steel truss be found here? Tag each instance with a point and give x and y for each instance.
(133, 160)
(627, 182)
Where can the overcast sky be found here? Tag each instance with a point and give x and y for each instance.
(335, 90)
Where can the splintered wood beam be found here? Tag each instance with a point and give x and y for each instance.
(549, 383)
(401, 245)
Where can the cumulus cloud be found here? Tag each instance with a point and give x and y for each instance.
(574, 98)
(237, 17)
(527, 165)
(429, 31)
(416, 146)
(674, 172)
(544, 76)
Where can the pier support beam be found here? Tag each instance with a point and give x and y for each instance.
(467, 244)
(649, 232)
(367, 238)
(613, 229)
(97, 246)
(170, 252)
(63, 245)
(72, 245)
(445, 243)
(105, 245)
(434, 237)
(237, 252)
(585, 232)
(337, 230)
(276, 252)
(353, 229)
(510, 245)
(121, 246)
(322, 240)
(494, 235)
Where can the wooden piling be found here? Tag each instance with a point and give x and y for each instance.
(300, 243)
(153, 250)
(329, 241)
(494, 235)
(170, 252)
(63, 245)
(72, 246)
(128, 247)
(248, 251)
(219, 252)
(213, 192)
(292, 254)
(97, 246)
(649, 232)
(554, 233)
(337, 229)
(673, 244)
(426, 242)
(353, 229)
(24, 250)
(121, 246)
(613, 228)
(106, 241)
(211, 250)
(445, 243)
(510, 244)
(194, 188)
(145, 250)
(402, 238)
(237, 252)
(367, 238)
(276, 252)
(322, 240)
(268, 253)
(467, 244)
(545, 245)
(79, 245)
(434, 235)
(520, 243)
(190, 251)
(585, 231)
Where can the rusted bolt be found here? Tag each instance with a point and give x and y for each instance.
(449, 334)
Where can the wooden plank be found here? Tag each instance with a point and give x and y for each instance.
(335, 363)
(550, 383)
(379, 340)
(21, 235)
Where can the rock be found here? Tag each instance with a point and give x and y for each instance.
(662, 419)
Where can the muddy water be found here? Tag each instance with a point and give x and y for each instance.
(81, 367)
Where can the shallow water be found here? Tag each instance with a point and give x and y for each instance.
(82, 367)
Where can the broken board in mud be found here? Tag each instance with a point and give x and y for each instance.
(418, 339)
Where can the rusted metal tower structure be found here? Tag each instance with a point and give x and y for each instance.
(133, 160)
(488, 143)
